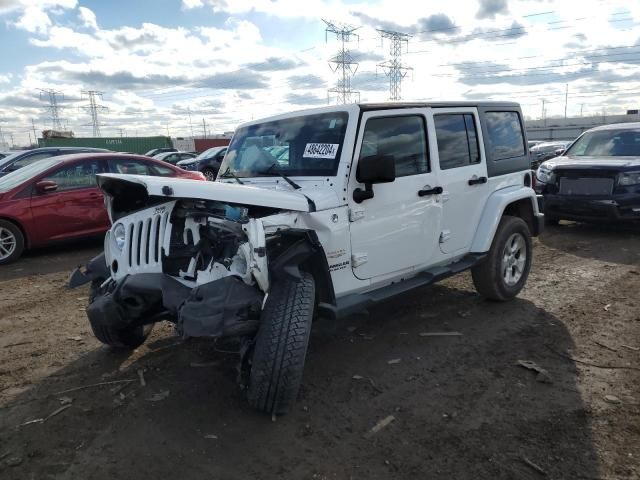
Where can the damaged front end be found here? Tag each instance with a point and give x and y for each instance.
(201, 264)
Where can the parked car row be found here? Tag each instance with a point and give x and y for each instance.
(57, 198)
(208, 162)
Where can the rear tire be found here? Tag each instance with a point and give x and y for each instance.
(11, 242)
(126, 338)
(281, 345)
(504, 272)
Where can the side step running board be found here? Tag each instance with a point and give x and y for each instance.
(358, 301)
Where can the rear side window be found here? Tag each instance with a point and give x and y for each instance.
(504, 135)
(402, 137)
(457, 138)
(128, 166)
(160, 171)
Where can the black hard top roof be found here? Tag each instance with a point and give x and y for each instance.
(390, 105)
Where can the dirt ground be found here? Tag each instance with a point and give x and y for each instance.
(460, 407)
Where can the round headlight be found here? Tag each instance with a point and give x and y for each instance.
(119, 236)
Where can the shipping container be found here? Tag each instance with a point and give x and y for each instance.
(139, 145)
(203, 144)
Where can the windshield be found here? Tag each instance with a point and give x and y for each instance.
(8, 158)
(607, 143)
(212, 152)
(14, 179)
(308, 146)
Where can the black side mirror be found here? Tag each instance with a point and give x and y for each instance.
(373, 169)
(560, 151)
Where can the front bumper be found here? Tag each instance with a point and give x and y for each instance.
(224, 307)
(602, 209)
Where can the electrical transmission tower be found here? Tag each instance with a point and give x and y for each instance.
(93, 108)
(394, 68)
(53, 108)
(343, 63)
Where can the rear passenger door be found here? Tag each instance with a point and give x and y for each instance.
(462, 173)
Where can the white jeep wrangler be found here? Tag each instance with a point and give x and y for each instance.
(316, 213)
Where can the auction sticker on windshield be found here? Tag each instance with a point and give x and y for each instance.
(320, 150)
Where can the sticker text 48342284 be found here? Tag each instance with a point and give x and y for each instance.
(320, 150)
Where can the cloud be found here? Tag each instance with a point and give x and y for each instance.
(88, 18)
(491, 8)
(34, 20)
(516, 30)
(241, 79)
(21, 100)
(362, 56)
(5, 78)
(117, 80)
(307, 81)
(307, 98)
(370, 81)
(436, 24)
(274, 64)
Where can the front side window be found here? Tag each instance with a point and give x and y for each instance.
(457, 139)
(607, 143)
(75, 176)
(309, 145)
(504, 135)
(403, 138)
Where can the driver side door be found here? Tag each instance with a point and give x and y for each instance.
(396, 230)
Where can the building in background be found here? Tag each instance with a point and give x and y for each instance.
(571, 128)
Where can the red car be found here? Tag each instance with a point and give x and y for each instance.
(57, 198)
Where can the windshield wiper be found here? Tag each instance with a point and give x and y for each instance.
(228, 173)
(279, 173)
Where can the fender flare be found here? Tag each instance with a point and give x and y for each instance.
(493, 211)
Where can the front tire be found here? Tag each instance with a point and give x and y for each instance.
(504, 272)
(281, 345)
(210, 174)
(11, 242)
(125, 338)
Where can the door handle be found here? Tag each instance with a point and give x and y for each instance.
(430, 191)
(477, 181)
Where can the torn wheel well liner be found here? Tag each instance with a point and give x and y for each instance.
(298, 249)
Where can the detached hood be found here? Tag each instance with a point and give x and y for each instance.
(134, 186)
(608, 163)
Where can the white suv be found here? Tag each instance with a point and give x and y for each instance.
(316, 213)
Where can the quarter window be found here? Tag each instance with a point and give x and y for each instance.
(457, 139)
(403, 138)
(504, 135)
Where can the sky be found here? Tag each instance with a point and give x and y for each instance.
(174, 66)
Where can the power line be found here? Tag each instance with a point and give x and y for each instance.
(93, 108)
(343, 62)
(394, 68)
(53, 108)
